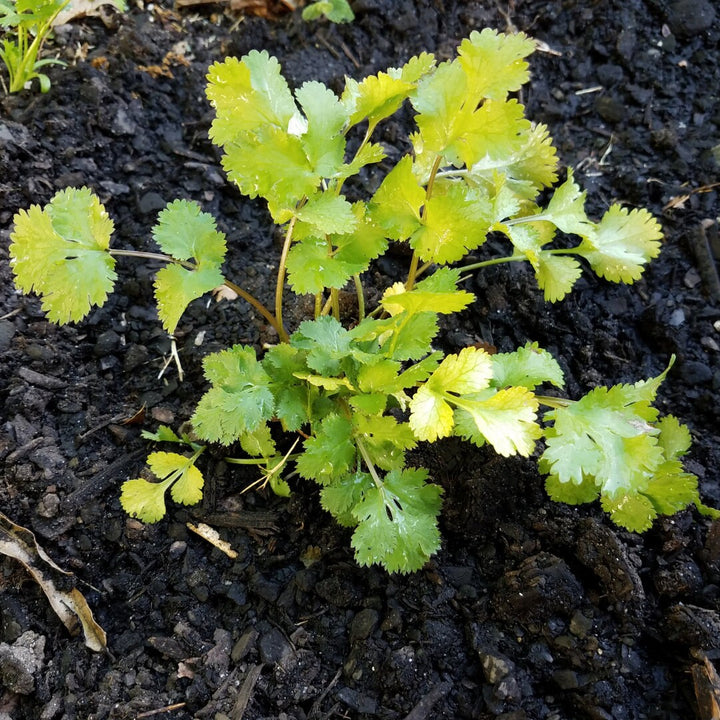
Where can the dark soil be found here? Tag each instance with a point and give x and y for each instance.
(532, 609)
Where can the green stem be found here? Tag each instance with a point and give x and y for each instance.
(29, 54)
(413, 271)
(235, 288)
(281, 281)
(554, 402)
(495, 261)
(369, 463)
(360, 296)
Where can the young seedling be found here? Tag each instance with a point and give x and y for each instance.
(337, 11)
(341, 401)
(31, 21)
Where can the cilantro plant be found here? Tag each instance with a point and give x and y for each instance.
(340, 401)
(31, 22)
(337, 11)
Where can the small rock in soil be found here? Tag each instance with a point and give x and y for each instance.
(689, 17)
(21, 661)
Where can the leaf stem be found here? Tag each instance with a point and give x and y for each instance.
(554, 402)
(494, 261)
(369, 463)
(235, 288)
(413, 271)
(360, 296)
(281, 280)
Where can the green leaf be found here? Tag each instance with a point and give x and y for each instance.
(505, 419)
(259, 442)
(329, 454)
(324, 141)
(494, 63)
(185, 232)
(375, 97)
(674, 437)
(327, 343)
(146, 500)
(672, 489)
(247, 95)
(315, 264)
(405, 336)
(528, 367)
(556, 275)
(384, 438)
(163, 434)
(239, 399)
(61, 252)
(293, 397)
(566, 209)
(607, 435)
(176, 287)
(528, 169)
(395, 206)
(437, 294)
(328, 213)
(397, 525)
(431, 413)
(633, 512)
(455, 220)
(271, 163)
(344, 494)
(571, 492)
(623, 243)
(337, 11)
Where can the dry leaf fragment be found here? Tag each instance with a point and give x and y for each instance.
(213, 537)
(70, 606)
(83, 8)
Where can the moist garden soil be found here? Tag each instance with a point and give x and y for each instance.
(531, 609)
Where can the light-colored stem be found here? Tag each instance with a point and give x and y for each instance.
(281, 280)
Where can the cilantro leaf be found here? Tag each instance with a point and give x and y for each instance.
(431, 412)
(375, 97)
(566, 209)
(327, 213)
(495, 62)
(146, 500)
(184, 232)
(293, 397)
(315, 264)
(337, 11)
(61, 252)
(328, 455)
(323, 141)
(340, 497)
(271, 163)
(506, 419)
(239, 399)
(528, 366)
(623, 243)
(395, 206)
(248, 94)
(555, 274)
(455, 221)
(396, 522)
(384, 438)
(526, 170)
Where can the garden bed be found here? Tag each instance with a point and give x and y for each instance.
(531, 609)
